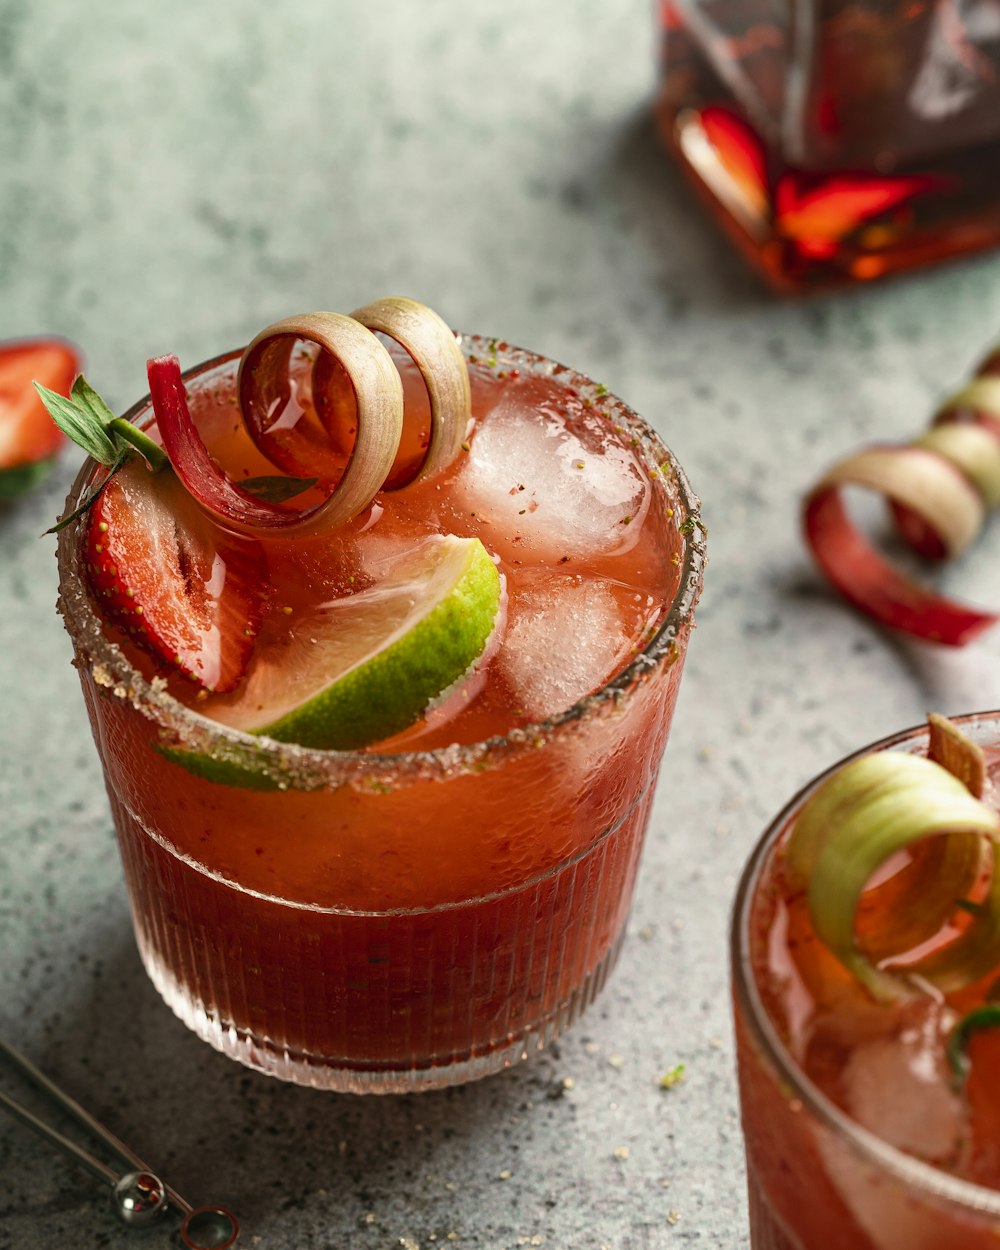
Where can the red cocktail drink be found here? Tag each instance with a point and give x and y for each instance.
(430, 908)
(871, 1116)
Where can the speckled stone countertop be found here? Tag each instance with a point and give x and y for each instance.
(174, 179)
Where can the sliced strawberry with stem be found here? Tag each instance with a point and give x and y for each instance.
(28, 438)
(183, 588)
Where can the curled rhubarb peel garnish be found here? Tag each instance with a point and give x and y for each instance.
(978, 400)
(303, 413)
(266, 398)
(955, 751)
(434, 349)
(379, 397)
(966, 434)
(939, 498)
(922, 481)
(191, 458)
(940, 489)
(867, 811)
(972, 449)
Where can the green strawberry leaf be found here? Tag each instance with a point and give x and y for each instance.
(89, 422)
(111, 441)
(78, 422)
(91, 425)
(87, 398)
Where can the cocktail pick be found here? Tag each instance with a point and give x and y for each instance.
(138, 1195)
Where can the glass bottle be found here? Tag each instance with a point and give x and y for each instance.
(838, 140)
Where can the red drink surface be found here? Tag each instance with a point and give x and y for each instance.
(386, 921)
(814, 1045)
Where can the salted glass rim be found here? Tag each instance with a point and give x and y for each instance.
(903, 1166)
(301, 767)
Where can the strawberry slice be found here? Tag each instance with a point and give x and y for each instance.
(29, 438)
(182, 587)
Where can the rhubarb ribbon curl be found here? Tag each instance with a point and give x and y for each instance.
(335, 416)
(940, 488)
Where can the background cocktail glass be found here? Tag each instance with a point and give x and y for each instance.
(816, 1179)
(435, 916)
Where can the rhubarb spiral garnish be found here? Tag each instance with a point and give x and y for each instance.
(349, 368)
(868, 811)
(436, 353)
(940, 487)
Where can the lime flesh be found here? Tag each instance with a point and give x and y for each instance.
(362, 668)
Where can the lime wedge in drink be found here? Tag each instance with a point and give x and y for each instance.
(361, 668)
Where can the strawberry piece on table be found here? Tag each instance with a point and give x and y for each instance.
(29, 438)
(183, 588)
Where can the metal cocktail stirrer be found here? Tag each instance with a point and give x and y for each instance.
(138, 1196)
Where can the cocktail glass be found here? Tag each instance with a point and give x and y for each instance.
(376, 923)
(816, 1179)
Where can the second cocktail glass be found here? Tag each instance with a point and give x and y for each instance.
(818, 1179)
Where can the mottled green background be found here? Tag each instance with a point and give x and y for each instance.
(172, 178)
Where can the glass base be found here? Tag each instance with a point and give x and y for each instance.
(375, 1077)
(808, 228)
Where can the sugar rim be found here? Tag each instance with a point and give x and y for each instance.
(904, 1167)
(291, 766)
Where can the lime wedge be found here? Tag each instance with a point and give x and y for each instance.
(359, 669)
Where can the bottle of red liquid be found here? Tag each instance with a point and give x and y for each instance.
(834, 141)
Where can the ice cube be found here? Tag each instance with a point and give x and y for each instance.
(544, 490)
(565, 638)
(898, 1087)
(378, 551)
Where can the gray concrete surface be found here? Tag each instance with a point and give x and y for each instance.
(174, 178)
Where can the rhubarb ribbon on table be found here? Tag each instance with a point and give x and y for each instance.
(940, 488)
